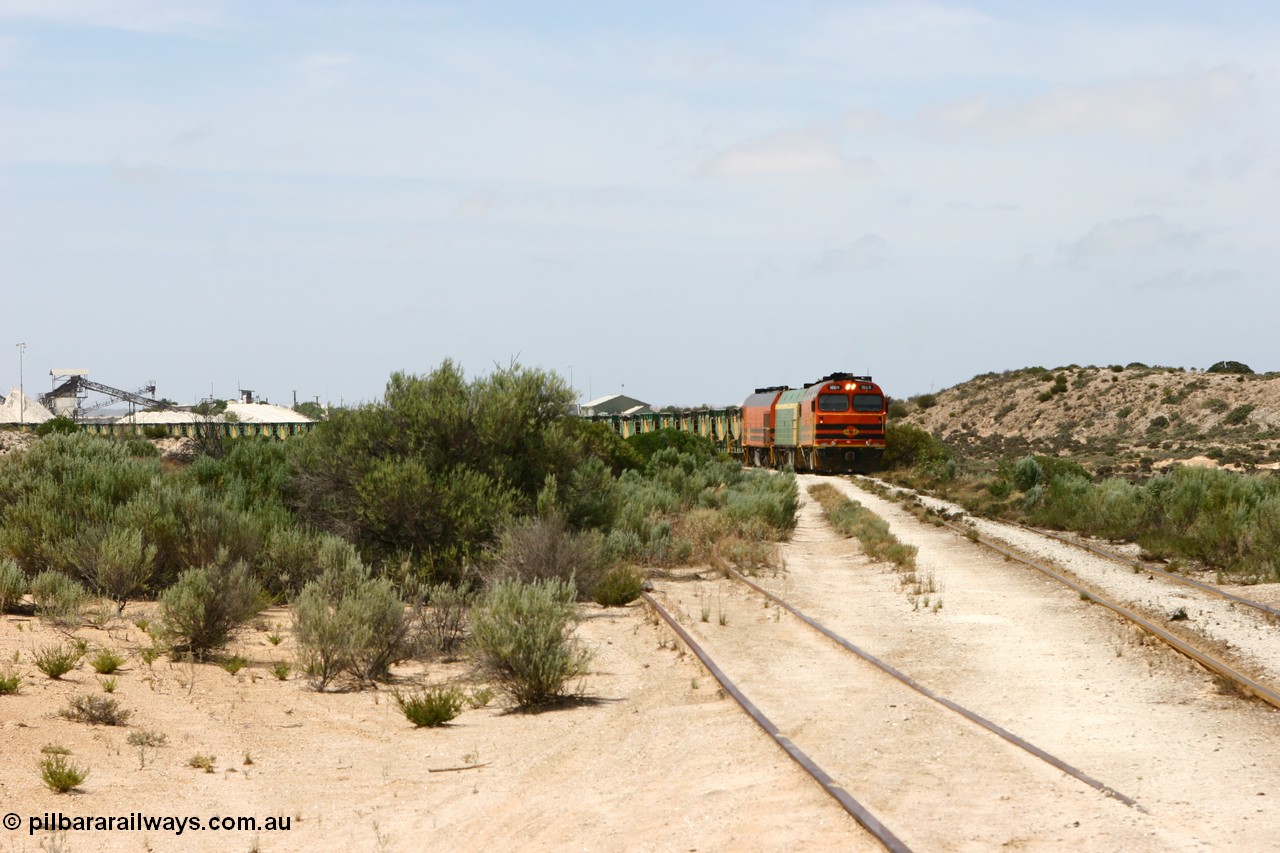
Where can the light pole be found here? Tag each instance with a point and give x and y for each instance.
(22, 393)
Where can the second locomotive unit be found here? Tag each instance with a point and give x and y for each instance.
(835, 425)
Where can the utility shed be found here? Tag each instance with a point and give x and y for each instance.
(615, 404)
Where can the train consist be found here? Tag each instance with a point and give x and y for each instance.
(835, 425)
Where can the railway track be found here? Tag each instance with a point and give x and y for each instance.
(1198, 653)
(1170, 576)
(852, 807)
(815, 764)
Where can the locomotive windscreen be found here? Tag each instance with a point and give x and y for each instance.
(868, 403)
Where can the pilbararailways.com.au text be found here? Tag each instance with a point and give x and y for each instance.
(139, 822)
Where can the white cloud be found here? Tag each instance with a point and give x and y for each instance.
(150, 16)
(868, 252)
(1139, 235)
(1147, 108)
(785, 153)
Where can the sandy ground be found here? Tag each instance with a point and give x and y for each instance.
(656, 759)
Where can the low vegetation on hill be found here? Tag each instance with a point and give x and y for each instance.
(1181, 462)
(1117, 419)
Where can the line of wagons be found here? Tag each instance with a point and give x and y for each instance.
(835, 425)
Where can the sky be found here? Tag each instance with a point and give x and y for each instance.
(676, 201)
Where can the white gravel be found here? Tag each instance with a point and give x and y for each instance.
(1251, 636)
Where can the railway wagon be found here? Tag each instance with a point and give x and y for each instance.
(834, 425)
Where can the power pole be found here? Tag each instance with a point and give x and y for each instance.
(22, 393)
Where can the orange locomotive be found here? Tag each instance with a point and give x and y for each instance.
(835, 425)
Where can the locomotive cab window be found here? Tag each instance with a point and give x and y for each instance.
(833, 403)
(868, 403)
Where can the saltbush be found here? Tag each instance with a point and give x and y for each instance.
(522, 636)
(58, 597)
(542, 548)
(201, 610)
(347, 621)
(445, 617)
(619, 586)
(13, 584)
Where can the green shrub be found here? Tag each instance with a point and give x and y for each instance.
(522, 635)
(61, 425)
(60, 775)
(761, 498)
(200, 611)
(434, 470)
(281, 670)
(13, 584)
(853, 519)
(926, 401)
(347, 621)
(58, 497)
(646, 444)
(543, 548)
(907, 446)
(58, 598)
(123, 565)
(56, 661)
(154, 431)
(430, 706)
(1229, 367)
(10, 682)
(445, 618)
(105, 662)
(619, 586)
(140, 449)
(96, 710)
(1026, 473)
(1238, 415)
(233, 664)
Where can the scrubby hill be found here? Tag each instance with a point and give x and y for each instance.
(1113, 419)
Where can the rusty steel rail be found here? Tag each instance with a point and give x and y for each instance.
(1208, 661)
(856, 810)
(1137, 564)
(972, 716)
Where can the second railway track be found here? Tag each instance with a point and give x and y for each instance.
(938, 781)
